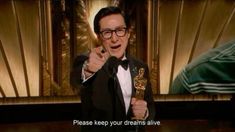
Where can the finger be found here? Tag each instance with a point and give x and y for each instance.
(100, 52)
(95, 63)
(133, 100)
(104, 50)
(106, 55)
(139, 113)
(139, 110)
(141, 102)
(139, 105)
(93, 68)
(94, 56)
(94, 59)
(100, 55)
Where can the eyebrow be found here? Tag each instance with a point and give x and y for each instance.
(122, 26)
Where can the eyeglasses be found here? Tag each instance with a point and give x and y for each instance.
(107, 34)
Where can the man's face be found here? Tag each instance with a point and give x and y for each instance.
(114, 35)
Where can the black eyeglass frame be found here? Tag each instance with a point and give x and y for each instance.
(124, 29)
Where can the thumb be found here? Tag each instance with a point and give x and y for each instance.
(133, 100)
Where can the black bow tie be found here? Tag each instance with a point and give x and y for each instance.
(124, 63)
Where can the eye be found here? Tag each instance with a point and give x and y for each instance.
(107, 32)
(121, 32)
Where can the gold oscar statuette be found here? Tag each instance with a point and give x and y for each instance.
(139, 83)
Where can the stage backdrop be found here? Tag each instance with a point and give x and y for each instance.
(40, 39)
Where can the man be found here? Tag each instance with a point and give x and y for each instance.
(212, 72)
(108, 93)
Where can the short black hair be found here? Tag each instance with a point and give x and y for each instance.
(106, 11)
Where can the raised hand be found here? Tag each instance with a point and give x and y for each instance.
(96, 59)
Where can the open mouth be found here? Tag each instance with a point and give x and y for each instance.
(115, 47)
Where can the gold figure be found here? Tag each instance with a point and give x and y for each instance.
(139, 83)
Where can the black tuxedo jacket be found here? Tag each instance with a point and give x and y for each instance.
(101, 95)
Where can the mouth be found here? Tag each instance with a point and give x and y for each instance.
(116, 46)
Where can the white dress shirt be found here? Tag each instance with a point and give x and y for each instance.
(124, 77)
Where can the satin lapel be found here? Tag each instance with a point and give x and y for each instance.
(119, 93)
(133, 70)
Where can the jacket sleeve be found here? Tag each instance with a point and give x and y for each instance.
(76, 72)
(149, 97)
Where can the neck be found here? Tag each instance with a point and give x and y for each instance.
(123, 57)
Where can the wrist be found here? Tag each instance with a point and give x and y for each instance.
(87, 72)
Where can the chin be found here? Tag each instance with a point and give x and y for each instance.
(117, 55)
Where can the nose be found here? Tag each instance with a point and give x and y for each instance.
(114, 37)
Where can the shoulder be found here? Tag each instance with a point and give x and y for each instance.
(212, 68)
(137, 62)
(213, 58)
(208, 72)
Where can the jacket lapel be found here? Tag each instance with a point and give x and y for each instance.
(119, 93)
(133, 71)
